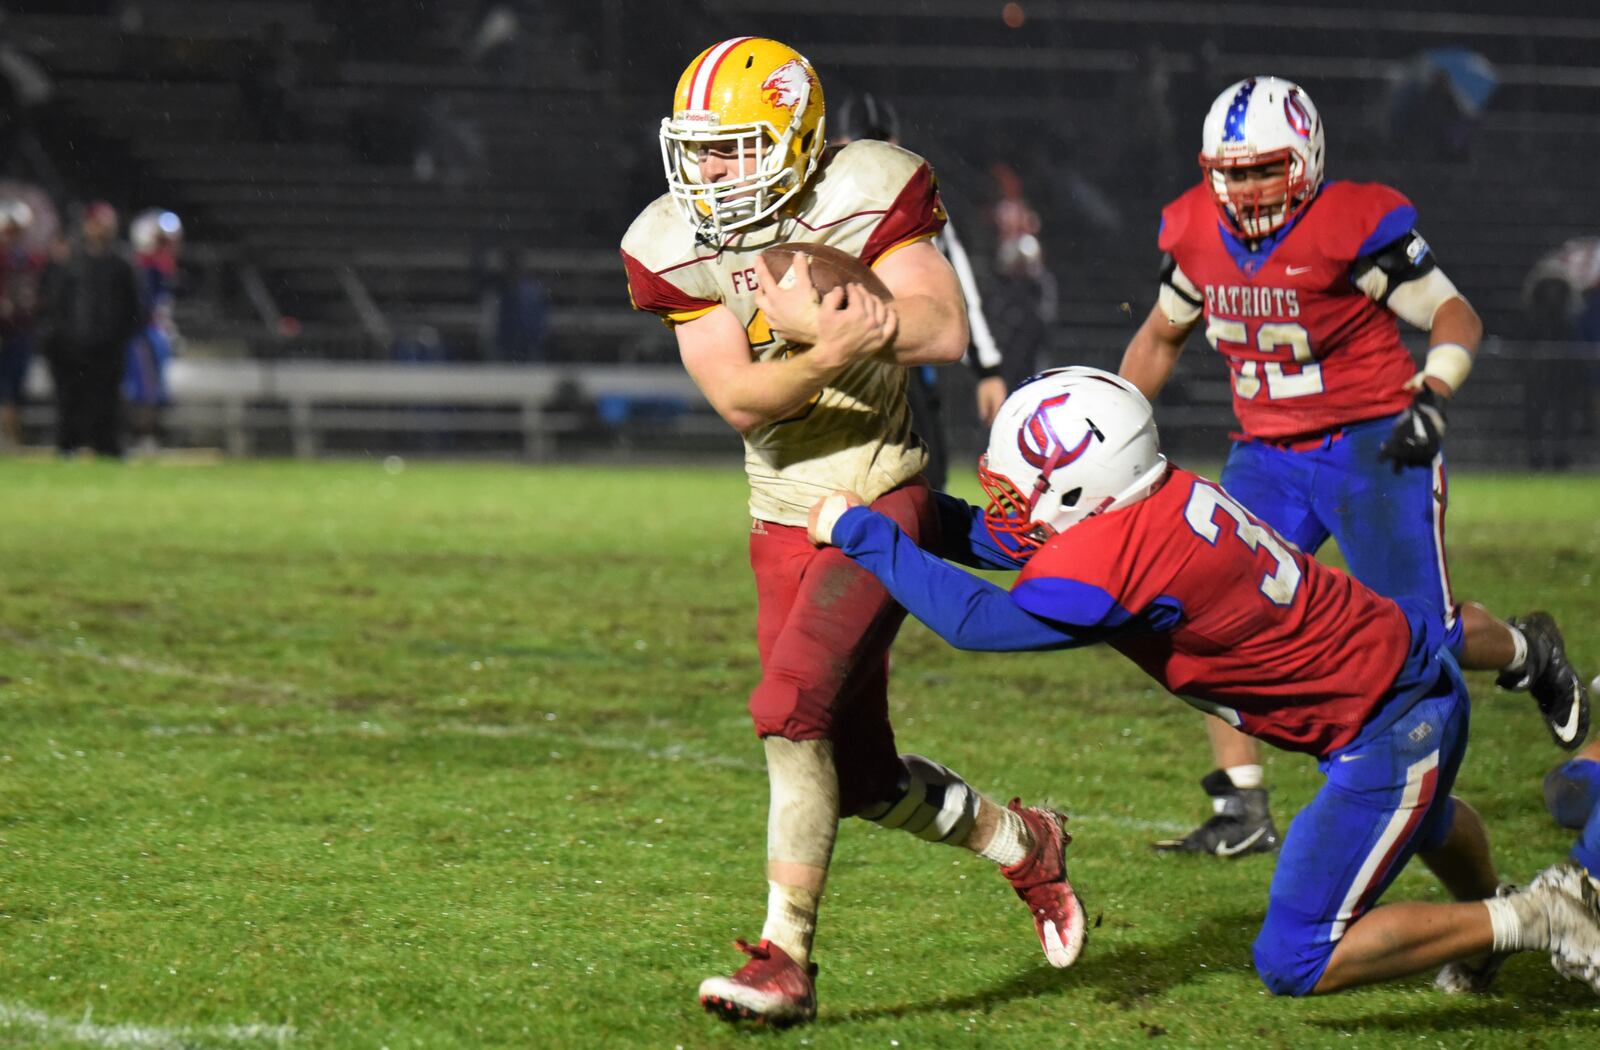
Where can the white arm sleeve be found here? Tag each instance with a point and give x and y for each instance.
(982, 338)
(1179, 299)
(1415, 301)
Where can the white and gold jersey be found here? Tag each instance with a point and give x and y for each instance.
(868, 198)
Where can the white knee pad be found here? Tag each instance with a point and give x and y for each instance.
(934, 804)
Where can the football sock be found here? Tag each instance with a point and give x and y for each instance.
(1245, 777)
(1519, 655)
(1519, 923)
(791, 920)
(1010, 842)
(803, 808)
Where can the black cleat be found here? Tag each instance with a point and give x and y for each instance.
(1551, 680)
(1240, 822)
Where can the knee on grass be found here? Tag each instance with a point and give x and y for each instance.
(1287, 966)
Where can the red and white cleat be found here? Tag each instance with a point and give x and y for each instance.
(1040, 879)
(770, 989)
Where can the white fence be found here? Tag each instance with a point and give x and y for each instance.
(237, 403)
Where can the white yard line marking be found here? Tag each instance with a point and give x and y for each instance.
(670, 753)
(144, 1037)
(139, 665)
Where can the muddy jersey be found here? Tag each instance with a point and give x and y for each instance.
(1309, 350)
(868, 198)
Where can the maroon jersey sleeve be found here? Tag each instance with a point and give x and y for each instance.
(650, 291)
(916, 214)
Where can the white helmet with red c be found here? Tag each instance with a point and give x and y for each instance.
(1259, 121)
(1066, 445)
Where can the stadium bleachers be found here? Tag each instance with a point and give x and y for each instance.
(358, 249)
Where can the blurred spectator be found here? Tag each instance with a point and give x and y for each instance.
(449, 146)
(514, 312)
(90, 308)
(1022, 306)
(1435, 102)
(157, 237)
(269, 85)
(20, 266)
(497, 39)
(1022, 302)
(866, 116)
(422, 345)
(26, 88)
(1561, 304)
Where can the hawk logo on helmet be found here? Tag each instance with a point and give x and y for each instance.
(1039, 443)
(788, 85)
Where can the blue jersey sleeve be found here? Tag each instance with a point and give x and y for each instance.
(965, 611)
(966, 539)
(1395, 224)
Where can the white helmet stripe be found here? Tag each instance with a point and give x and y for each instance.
(700, 86)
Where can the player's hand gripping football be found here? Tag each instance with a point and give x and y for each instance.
(791, 306)
(1417, 434)
(852, 327)
(825, 514)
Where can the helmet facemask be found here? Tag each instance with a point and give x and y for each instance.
(772, 168)
(1067, 445)
(1242, 203)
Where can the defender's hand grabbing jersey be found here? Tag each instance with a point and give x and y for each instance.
(868, 198)
(1306, 320)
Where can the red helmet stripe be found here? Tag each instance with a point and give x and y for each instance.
(706, 72)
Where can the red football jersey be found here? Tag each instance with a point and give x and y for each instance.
(1244, 625)
(1309, 351)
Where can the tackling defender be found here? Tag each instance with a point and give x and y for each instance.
(1118, 546)
(817, 388)
(1299, 283)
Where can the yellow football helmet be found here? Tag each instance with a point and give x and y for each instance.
(761, 101)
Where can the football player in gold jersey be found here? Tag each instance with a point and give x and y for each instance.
(816, 385)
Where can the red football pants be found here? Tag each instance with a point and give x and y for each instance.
(823, 627)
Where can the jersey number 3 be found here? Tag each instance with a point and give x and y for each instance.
(1279, 585)
(1226, 334)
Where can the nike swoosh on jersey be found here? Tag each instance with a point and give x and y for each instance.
(1351, 758)
(1224, 850)
(1293, 270)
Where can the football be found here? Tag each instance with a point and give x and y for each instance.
(830, 268)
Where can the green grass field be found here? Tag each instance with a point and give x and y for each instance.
(325, 756)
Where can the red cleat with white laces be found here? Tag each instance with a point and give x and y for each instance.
(770, 989)
(1040, 879)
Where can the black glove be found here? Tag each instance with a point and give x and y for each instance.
(1416, 436)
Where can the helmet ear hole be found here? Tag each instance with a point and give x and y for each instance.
(807, 140)
(1071, 498)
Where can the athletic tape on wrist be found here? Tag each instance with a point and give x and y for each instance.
(1447, 362)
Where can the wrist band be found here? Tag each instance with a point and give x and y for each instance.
(1447, 362)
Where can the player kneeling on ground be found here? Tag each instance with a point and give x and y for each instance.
(1116, 545)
